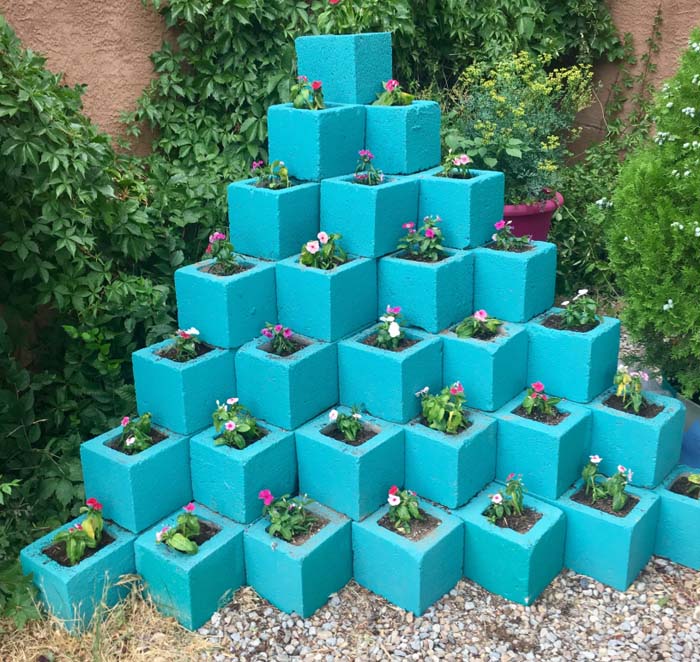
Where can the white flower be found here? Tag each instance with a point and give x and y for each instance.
(130, 441)
(565, 303)
(496, 498)
(232, 401)
(333, 415)
(393, 500)
(621, 469)
(357, 416)
(192, 331)
(595, 459)
(669, 104)
(386, 318)
(394, 330)
(668, 305)
(629, 475)
(423, 391)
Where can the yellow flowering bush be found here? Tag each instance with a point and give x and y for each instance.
(517, 117)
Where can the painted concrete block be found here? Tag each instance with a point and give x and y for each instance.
(515, 286)
(451, 469)
(316, 144)
(679, 522)
(182, 396)
(386, 382)
(651, 447)
(468, 207)
(228, 311)
(351, 67)
(404, 139)
(410, 574)
(354, 480)
(531, 560)
(227, 480)
(191, 587)
(272, 224)
(432, 295)
(137, 490)
(550, 457)
(300, 578)
(287, 391)
(491, 371)
(573, 365)
(368, 217)
(327, 304)
(73, 593)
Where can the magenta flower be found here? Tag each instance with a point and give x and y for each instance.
(257, 164)
(408, 226)
(266, 332)
(316, 85)
(481, 315)
(456, 389)
(278, 328)
(322, 237)
(93, 503)
(430, 233)
(500, 225)
(125, 421)
(393, 310)
(189, 508)
(537, 387)
(391, 85)
(365, 153)
(217, 236)
(230, 426)
(266, 497)
(511, 476)
(313, 247)
(287, 333)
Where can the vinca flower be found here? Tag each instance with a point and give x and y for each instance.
(125, 421)
(430, 233)
(266, 497)
(500, 225)
(395, 310)
(230, 426)
(333, 415)
(161, 533)
(480, 315)
(456, 389)
(394, 500)
(316, 85)
(496, 498)
(595, 459)
(393, 489)
(621, 469)
(424, 391)
(278, 328)
(537, 387)
(130, 441)
(313, 247)
(93, 503)
(189, 508)
(322, 237)
(391, 85)
(231, 401)
(394, 330)
(287, 333)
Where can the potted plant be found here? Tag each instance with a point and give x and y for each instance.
(546, 437)
(611, 528)
(368, 208)
(285, 378)
(330, 57)
(679, 517)
(298, 553)
(77, 567)
(518, 117)
(488, 356)
(348, 460)
(514, 544)
(404, 133)
(433, 285)
(241, 293)
(384, 367)
(637, 427)
(178, 379)
(314, 290)
(286, 211)
(408, 552)
(470, 201)
(450, 452)
(316, 140)
(191, 563)
(232, 460)
(573, 349)
(140, 472)
(514, 277)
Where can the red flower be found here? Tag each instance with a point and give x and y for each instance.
(511, 476)
(537, 387)
(316, 85)
(393, 489)
(183, 334)
(93, 503)
(333, 2)
(189, 508)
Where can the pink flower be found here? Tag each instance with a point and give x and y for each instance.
(333, 415)
(595, 459)
(230, 426)
(496, 498)
(303, 79)
(93, 503)
(621, 469)
(217, 236)
(537, 387)
(125, 421)
(393, 489)
(430, 233)
(207, 250)
(183, 334)
(481, 315)
(231, 401)
(365, 153)
(313, 247)
(322, 237)
(316, 85)
(189, 508)
(161, 533)
(456, 161)
(510, 476)
(464, 159)
(257, 164)
(644, 375)
(278, 328)
(333, 2)
(78, 527)
(408, 226)
(287, 333)
(266, 497)
(456, 389)
(267, 333)
(393, 310)
(500, 225)
(394, 500)
(391, 85)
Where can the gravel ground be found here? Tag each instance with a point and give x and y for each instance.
(576, 618)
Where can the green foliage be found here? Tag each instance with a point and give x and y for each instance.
(239, 426)
(179, 537)
(324, 252)
(582, 310)
(599, 487)
(349, 425)
(289, 518)
(479, 326)
(506, 503)
(403, 509)
(425, 243)
(444, 411)
(654, 242)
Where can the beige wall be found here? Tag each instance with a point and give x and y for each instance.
(107, 44)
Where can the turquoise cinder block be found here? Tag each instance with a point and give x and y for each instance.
(410, 574)
(550, 457)
(327, 304)
(300, 578)
(73, 593)
(611, 549)
(515, 286)
(315, 144)
(272, 224)
(288, 391)
(651, 447)
(404, 139)
(137, 490)
(432, 295)
(351, 67)
(182, 396)
(491, 371)
(368, 217)
(228, 480)
(679, 523)
(451, 469)
(227, 310)
(533, 559)
(191, 587)
(386, 382)
(354, 480)
(468, 207)
(573, 365)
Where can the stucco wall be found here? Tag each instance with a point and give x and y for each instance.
(107, 45)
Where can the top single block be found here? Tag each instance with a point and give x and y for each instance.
(352, 67)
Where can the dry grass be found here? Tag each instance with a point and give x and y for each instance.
(132, 631)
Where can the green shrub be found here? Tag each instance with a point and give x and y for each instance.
(654, 242)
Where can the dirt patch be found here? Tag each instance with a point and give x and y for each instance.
(169, 352)
(404, 343)
(57, 551)
(520, 523)
(419, 527)
(605, 504)
(647, 410)
(557, 322)
(541, 418)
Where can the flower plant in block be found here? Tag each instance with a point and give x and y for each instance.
(479, 326)
(183, 536)
(72, 544)
(273, 176)
(236, 425)
(606, 494)
(393, 95)
(365, 172)
(307, 95)
(423, 244)
(444, 411)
